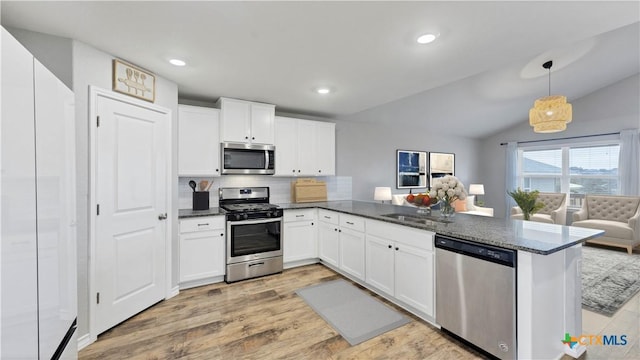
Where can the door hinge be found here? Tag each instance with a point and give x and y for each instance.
(97, 121)
(98, 209)
(97, 298)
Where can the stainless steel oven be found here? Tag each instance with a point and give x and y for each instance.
(254, 233)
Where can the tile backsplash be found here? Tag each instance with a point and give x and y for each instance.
(338, 187)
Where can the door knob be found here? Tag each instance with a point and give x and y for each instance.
(162, 216)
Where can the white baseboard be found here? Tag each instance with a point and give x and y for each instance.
(173, 292)
(84, 341)
(201, 282)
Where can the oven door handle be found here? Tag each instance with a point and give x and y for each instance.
(259, 221)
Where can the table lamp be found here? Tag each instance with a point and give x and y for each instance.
(477, 189)
(382, 194)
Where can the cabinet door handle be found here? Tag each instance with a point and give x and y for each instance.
(397, 248)
(319, 171)
(335, 229)
(222, 234)
(298, 170)
(162, 216)
(246, 138)
(253, 138)
(294, 170)
(349, 222)
(327, 217)
(389, 246)
(217, 170)
(299, 215)
(205, 224)
(339, 230)
(311, 224)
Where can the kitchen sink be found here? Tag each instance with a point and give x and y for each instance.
(420, 219)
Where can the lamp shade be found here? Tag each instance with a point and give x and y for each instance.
(476, 189)
(382, 193)
(550, 114)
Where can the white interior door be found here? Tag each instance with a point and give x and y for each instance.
(132, 152)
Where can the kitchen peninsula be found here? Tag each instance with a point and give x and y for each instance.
(548, 292)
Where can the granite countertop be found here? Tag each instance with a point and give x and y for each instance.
(534, 237)
(188, 213)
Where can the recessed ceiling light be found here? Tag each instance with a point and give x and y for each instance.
(177, 62)
(426, 38)
(323, 90)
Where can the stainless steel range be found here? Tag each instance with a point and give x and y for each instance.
(254, 238)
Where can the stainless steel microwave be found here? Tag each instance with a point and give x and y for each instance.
(247, 159)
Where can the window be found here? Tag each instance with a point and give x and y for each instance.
(575, 170)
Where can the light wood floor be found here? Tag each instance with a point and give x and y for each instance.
(260, 319)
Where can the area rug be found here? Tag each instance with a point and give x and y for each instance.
(609, 279)
(352, 312)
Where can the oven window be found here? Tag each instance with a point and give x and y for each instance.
(255, 238)
(244, 159)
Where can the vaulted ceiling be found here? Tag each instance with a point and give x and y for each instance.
(481, 74)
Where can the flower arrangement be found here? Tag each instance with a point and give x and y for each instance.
(447, 189)
(527, 201)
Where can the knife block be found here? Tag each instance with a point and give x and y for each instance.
(200, 200)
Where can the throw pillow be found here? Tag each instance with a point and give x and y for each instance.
(460, 205)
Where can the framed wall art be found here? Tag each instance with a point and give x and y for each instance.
(131, 80)
(411, 169)
(441, 164)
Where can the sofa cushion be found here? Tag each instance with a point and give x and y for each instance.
(537, 217)
(614, 208)
(551, 201)
(614, 229)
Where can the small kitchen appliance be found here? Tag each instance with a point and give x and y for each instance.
(254, 237)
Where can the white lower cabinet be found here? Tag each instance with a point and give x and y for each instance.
(328, 240)
(400, 263)
(202, 251)
(299, 237)
(352, 253)
(341, 242)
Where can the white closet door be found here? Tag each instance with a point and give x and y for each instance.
(18, 184)
(132, 152)
(55, 170)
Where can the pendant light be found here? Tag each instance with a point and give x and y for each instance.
(550, 114)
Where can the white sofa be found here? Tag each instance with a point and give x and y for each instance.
(618, 216)
(468, 206)
(553, 212)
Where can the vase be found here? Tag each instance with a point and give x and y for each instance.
(446, 209)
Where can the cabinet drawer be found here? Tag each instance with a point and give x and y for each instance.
(299, 215)
(328, 216)
(352, 222)
(421, 239)
(202, 224)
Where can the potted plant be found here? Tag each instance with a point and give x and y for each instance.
(527, 201)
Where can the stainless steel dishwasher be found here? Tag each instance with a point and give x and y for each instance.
(476, 294)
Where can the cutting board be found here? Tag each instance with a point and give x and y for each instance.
(308, 190)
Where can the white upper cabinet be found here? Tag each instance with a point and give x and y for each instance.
(198, 141)
(304, 147)
(246, 122)
(326, 148)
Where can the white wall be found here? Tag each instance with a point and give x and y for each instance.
(53, 52)
(610, 109)
(94, 67)
(367, 153)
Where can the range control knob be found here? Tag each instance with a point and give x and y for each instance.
(268, 214)
(245, 216)
(237, 216)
